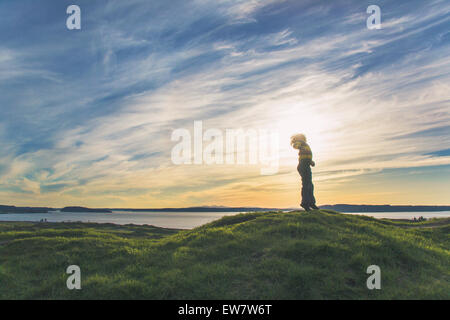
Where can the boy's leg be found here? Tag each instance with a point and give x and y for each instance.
(303, 170)
(304, 204)
(308, 187)
(313, 199)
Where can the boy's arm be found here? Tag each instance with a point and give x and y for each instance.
(297, 145)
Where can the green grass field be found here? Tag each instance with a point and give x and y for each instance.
(297, 255)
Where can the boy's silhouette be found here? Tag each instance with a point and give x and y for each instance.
(298, 141)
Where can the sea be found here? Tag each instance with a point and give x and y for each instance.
(175, 220)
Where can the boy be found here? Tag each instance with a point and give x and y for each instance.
(298, 141)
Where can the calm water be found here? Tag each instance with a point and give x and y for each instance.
(178, 220)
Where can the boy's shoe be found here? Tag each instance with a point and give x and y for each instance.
(315, 207)
(307, 208)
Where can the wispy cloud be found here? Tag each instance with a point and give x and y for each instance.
(87, 116)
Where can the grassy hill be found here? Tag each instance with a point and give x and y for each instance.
(297, 255)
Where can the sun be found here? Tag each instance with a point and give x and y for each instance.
(312, 124)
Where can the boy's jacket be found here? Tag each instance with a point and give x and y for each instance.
(304, 151)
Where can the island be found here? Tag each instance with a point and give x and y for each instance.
(14, 209)
(83, 209)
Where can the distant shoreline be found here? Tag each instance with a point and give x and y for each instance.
(436, 221)
(346, 208)
(383, 208)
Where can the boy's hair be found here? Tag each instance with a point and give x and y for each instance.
(300, 137)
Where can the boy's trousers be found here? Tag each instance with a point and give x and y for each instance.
(304, 168)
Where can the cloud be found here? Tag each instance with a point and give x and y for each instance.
(89, 115)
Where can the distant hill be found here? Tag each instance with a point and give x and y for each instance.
(14, 209)
(83, 209)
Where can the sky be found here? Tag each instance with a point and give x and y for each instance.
(87, 116)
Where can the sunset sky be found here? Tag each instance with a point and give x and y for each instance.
(86, 116)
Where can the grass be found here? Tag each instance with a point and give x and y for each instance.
(272, 255)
